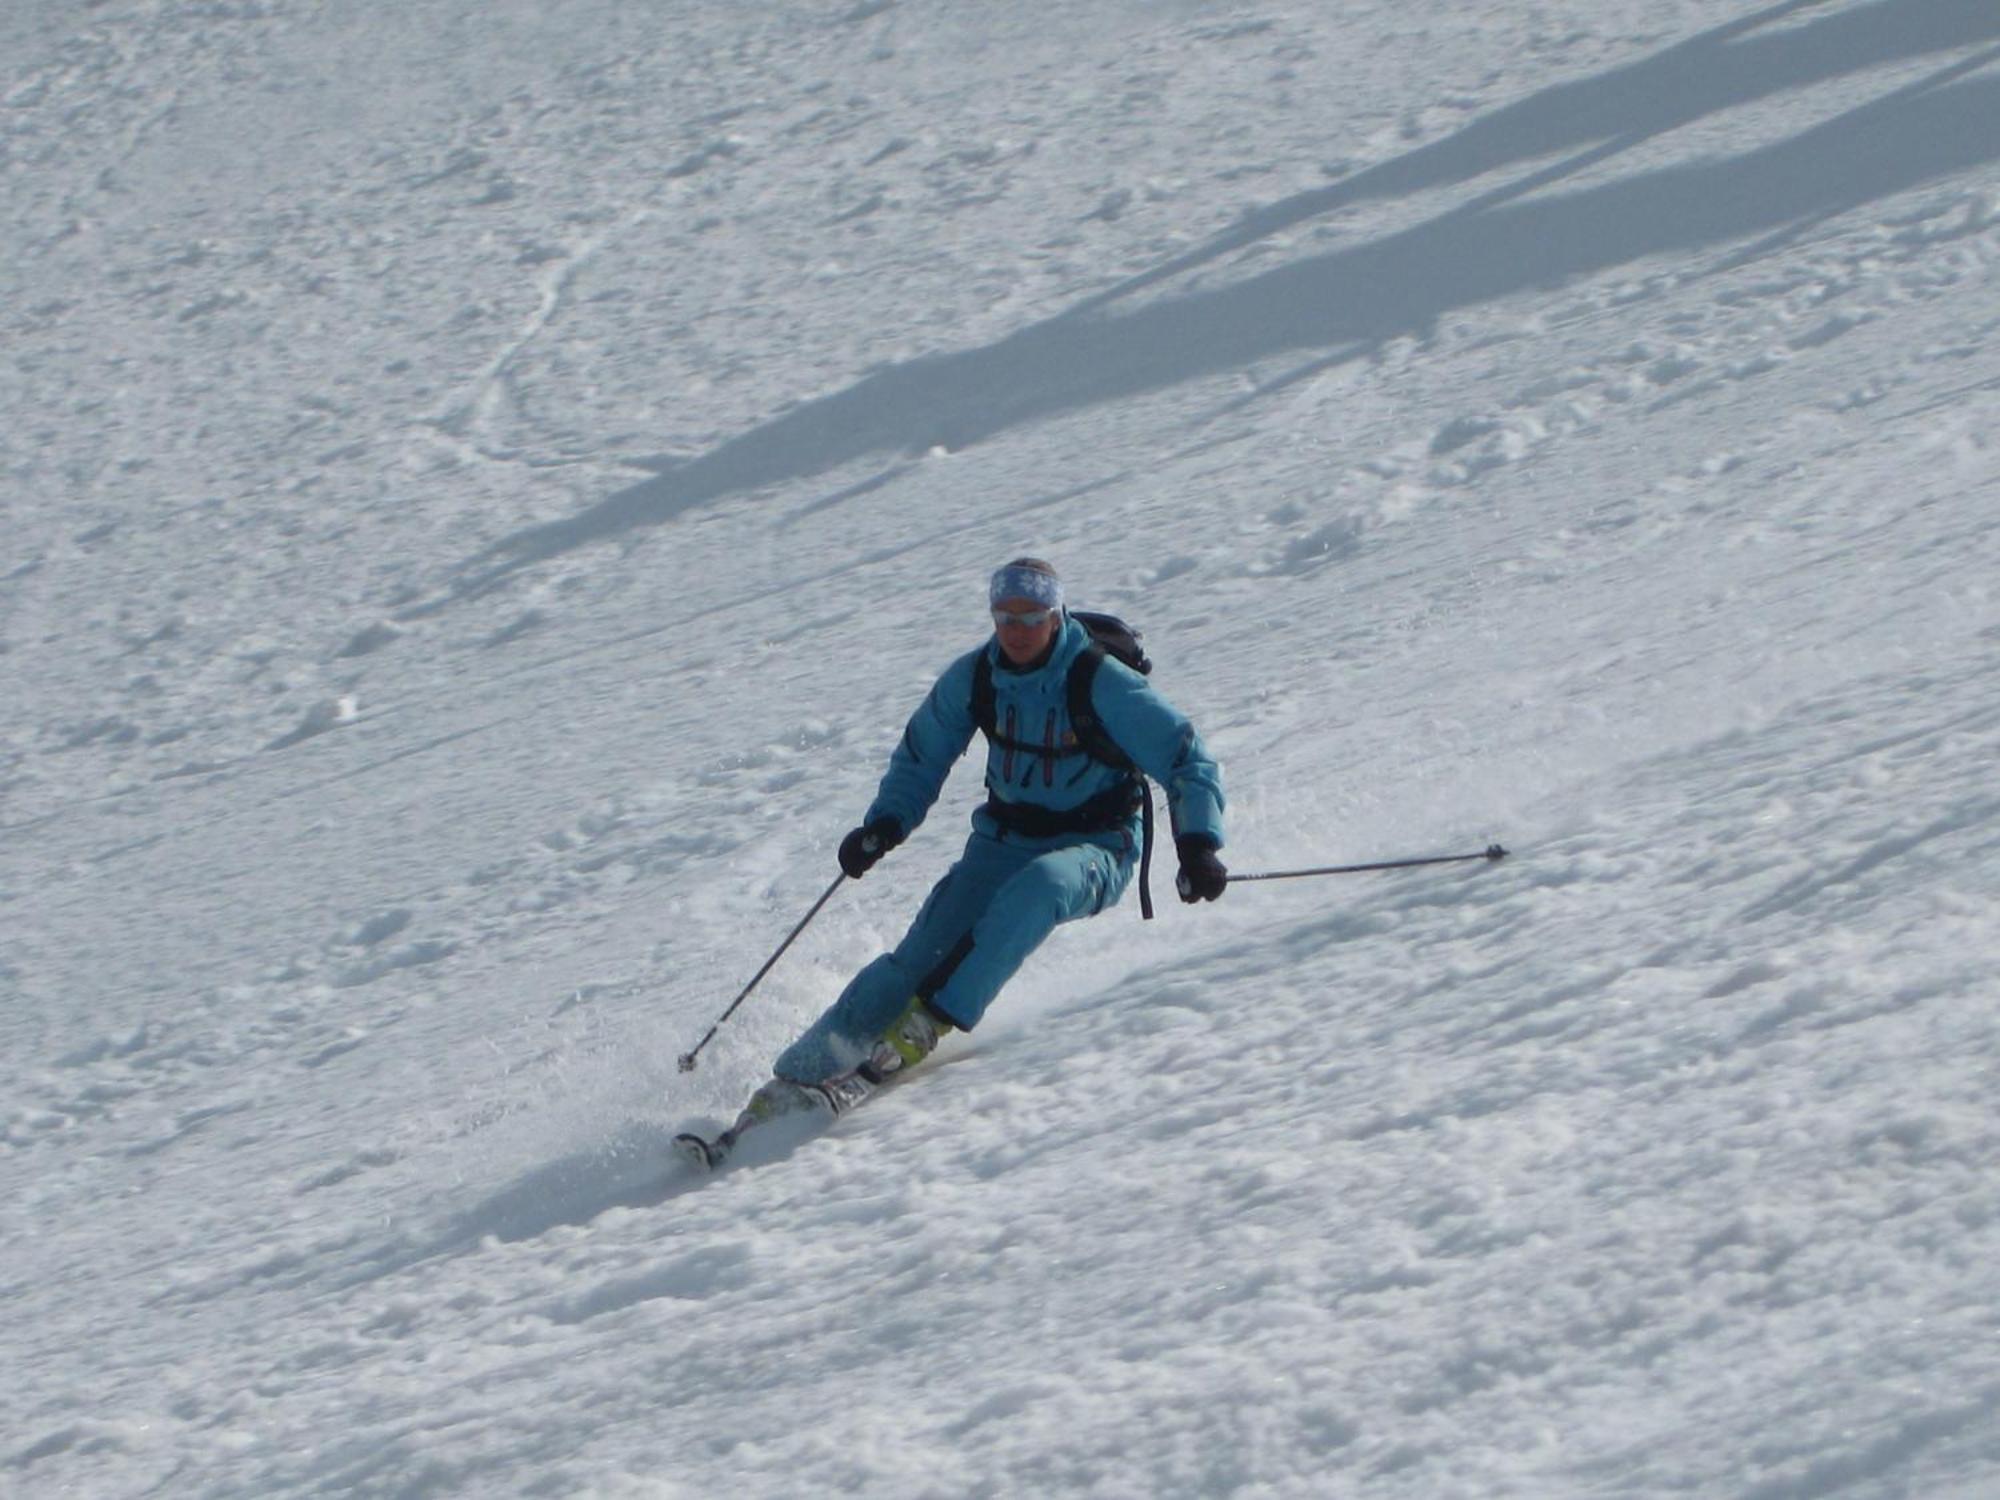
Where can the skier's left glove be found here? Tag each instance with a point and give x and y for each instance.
(1203, 877)
(862, 848)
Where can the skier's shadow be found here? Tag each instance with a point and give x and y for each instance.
(640, 1170)
(1339, 306)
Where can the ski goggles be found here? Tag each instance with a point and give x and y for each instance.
(1032, 618)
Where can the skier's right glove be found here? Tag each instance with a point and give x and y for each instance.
(862, 848)
(1203, 877)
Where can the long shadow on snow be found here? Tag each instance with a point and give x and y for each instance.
(1330, 308)
(640, 1170)
(1731, 65)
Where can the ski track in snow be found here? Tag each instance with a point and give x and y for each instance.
(485, 488)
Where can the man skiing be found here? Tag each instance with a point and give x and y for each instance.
(1057, 838)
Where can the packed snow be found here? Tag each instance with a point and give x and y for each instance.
(484, 485)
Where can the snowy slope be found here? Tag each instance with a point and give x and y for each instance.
(483, 486)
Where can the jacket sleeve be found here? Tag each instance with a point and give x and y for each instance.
(1164, 745)
(934, 739)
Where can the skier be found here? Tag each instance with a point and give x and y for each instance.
(1056, 839)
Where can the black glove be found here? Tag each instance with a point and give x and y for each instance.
(1203, 877)
(868, 843)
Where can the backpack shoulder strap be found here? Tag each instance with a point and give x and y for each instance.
(1097, 743)
(1089, 728)
(984, 715)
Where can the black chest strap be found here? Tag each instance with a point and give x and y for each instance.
(1107, 810)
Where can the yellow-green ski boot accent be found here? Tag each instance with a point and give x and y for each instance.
(911, 1038)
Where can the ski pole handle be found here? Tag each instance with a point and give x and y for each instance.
(689, 1058)
(1491, 853)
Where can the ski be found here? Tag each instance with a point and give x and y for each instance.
(778, 1100)
(702, 1154)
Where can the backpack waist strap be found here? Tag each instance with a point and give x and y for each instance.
(1109, 809)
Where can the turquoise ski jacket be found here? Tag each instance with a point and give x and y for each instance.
(1031, 705)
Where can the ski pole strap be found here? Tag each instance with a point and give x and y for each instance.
(1490, 853)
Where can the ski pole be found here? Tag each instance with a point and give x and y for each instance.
(1490, 853)
(688, 1059)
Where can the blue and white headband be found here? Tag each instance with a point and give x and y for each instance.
(1027, 578)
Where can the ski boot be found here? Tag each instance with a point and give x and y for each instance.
(911, 1038)
(777, 1098)
(907, 1041)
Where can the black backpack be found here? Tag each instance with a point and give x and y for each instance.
(1109, 636)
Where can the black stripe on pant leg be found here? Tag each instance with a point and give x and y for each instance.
(939, 977)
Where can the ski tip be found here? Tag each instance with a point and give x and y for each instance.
(697, 1153)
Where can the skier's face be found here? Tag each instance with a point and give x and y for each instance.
(1020, 640)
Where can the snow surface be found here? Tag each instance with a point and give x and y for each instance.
(483, 486)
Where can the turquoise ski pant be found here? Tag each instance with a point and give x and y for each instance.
(992, 909)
